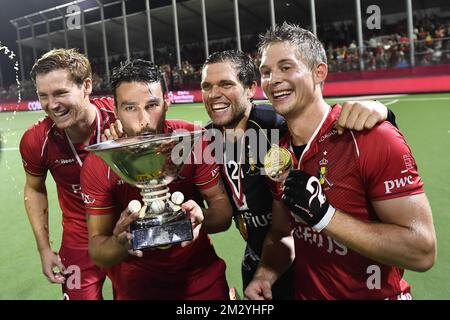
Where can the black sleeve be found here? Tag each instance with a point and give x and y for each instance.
(210, 125)
(391, 118)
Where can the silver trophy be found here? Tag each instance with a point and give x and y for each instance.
(151, 163)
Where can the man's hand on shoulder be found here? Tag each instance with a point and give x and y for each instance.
(360, 115)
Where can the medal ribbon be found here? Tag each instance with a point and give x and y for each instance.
(72, 147)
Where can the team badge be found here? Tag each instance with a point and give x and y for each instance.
(323, 169)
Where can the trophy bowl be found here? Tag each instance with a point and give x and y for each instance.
(151, 163)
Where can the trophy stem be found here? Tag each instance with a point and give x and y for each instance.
(163, 221)
(152, 194)
(157, 204)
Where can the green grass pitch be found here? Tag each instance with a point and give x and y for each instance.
(424, 120)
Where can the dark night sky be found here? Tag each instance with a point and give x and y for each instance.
(10, 9)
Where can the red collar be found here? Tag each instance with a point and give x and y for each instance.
(167, 127)
(326, 126)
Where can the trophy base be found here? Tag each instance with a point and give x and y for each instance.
(151, 236)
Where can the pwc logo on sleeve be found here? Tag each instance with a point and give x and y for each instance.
(399, 183)
(403, 181)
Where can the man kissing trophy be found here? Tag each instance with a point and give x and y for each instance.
(151, 163)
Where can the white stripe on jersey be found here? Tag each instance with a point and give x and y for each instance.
(356, 143)
(46, 139)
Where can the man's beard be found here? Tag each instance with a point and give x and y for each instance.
(232, 123)
(146, 131)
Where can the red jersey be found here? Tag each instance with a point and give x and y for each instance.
(45, 147)
(354, 169)
(173, 273)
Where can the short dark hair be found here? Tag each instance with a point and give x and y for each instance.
(136, 70)
(308, 46)
(70, 59)
(247, 71)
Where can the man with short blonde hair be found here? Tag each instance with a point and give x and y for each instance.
(56, 144)
(356, 200)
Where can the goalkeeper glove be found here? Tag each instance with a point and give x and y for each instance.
(304, 196)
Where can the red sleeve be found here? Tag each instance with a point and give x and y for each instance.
(207, 171)
(387, 165)
(206, 176)
(97, 183)
(105, 103)
(31, 148)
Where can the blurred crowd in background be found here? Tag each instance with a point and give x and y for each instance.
(385, 48)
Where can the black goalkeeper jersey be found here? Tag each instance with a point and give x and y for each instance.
(243, 173)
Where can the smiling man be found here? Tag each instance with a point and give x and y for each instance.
(191, 270)
(357, 205)
(63, 80)
(229, 81)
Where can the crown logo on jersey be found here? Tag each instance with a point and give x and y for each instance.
(323, 162)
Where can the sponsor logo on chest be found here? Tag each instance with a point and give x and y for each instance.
(258, 221)
(306, 235)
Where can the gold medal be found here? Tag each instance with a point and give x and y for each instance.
(277, 163)
(241, 225)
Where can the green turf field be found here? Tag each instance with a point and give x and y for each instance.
(424, 119)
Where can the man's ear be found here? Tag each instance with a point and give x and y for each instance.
(320, 73)
(166, 101)
(87, 86)
(252, 90)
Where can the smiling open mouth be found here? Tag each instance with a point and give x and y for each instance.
(281, 94)
(61, 114)
(219, 107)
